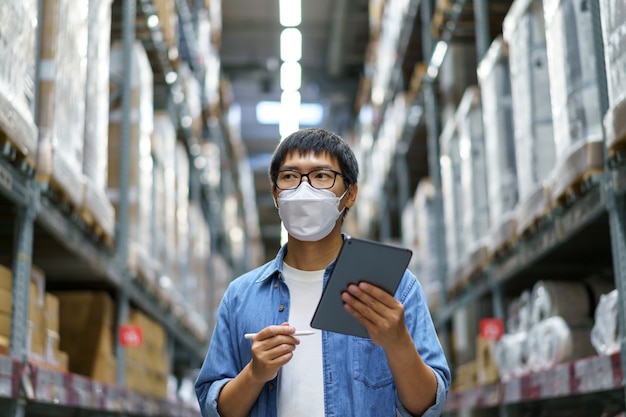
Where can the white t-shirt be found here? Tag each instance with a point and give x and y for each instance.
(301, 384)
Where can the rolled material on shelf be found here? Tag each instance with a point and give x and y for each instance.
(605, 334)
(574, 301)
(510, 355)
(553, 341)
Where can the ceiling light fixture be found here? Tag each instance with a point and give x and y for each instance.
(291, 45)
(290, 12)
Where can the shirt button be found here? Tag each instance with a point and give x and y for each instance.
(276, 285)
(271, 387)
(281, 308)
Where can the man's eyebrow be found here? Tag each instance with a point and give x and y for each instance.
(296, 168)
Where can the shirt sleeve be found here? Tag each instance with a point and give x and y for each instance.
(219, 366)
(420, 325)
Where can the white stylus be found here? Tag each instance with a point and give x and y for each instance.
(302, 333)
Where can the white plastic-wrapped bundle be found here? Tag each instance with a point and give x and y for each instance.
(613, 16)
(427, 251)
(62, 83)
(605, 334)
(554, 340)
(510, 355)
(524, 31)
(141, 165)
(519, 313)
(18, 31)
(495, 88)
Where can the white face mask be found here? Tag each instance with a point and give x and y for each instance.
(308, 213)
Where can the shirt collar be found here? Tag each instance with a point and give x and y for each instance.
(275, 267)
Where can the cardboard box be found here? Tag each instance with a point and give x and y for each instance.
(6, 301)
(86, 320)
(5, 325)
(6, 278)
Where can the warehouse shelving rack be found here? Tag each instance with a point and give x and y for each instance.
(37, 228)
(584, 234)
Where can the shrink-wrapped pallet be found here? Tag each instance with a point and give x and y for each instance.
(62, 83)
(574, 93)
(524, 31)
(140, 159)
(452, 194)
(164, 145)
(475, 204)
(181, 217)
(427, 253)
(495, 87)
(96, 205)
(613, 17)
(18, 31)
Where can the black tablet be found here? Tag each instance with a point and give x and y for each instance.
(359, 260)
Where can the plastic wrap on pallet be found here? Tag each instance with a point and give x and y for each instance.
(511, 355)
(97, 93)
(141, 164)
(573, 90)
(495, 88)
(524, 31)
(605, 334)
(18, 30)
(181, 206)
(164, 150)
(427, 251)
(96, 205)
(613, 17)
(62, 84)
(573, 78)
(519, 312)
(452, 193)
(473, 169)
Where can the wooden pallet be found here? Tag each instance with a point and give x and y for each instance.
(11, 152)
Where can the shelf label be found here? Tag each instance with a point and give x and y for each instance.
(130, 335)
(491, 328)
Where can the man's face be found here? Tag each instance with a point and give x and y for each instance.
(308, 162)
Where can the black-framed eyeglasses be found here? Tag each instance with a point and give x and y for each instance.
(322, 178)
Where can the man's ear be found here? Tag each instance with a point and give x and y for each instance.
(275, 196)
(351, 196)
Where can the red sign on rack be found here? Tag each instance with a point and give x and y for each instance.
(491, 328)
(130, 335)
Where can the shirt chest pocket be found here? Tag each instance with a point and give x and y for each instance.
(369, 364)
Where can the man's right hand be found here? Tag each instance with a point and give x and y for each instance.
(272, 347)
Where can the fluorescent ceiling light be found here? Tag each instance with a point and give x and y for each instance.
(290, 12)
(268, 113)
(289, 112)
(291, 44)
(290, 76)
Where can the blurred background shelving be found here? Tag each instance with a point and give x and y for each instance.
(133, 188)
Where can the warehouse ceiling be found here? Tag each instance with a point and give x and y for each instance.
(335, 36)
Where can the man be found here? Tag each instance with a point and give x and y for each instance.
(401, 368)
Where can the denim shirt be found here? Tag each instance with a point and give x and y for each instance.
(357, 379)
